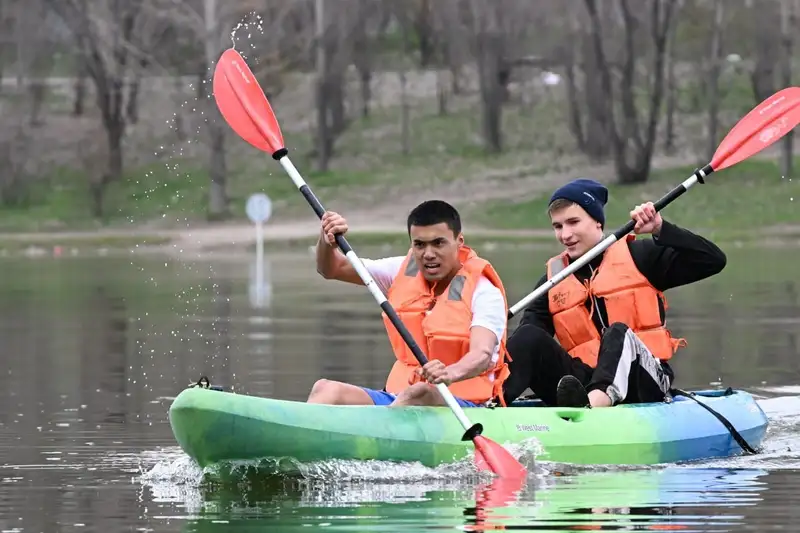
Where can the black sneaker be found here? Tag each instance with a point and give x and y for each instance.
(571, 393)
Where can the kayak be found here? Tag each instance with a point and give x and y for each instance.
(214, 426)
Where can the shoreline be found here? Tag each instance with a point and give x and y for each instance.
(237, 237)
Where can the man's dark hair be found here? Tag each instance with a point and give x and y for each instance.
(434, 212)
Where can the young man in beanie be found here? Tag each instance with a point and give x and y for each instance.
(599, 338)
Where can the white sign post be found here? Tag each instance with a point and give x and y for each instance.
(259, 209)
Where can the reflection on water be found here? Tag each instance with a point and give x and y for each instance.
(688, 499)
(93, 351)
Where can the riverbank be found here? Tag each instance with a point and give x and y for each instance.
(231, 240)
(748, 204)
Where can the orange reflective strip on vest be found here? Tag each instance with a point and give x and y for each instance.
(441, 326)
(628, 296)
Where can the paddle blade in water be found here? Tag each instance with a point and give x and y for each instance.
(243, 105)
(763, 125)
(491, 456)
(501, 492)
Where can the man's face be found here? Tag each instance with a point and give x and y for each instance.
(436, 250)
(576, 230)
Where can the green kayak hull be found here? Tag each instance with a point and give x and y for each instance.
(215, 427)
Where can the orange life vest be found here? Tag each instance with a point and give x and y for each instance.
(441, 326)
(629, 298)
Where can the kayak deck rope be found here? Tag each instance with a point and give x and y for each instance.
(725, 422)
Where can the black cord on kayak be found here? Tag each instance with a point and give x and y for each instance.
(725, 422)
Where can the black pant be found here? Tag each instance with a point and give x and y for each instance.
(626, 370)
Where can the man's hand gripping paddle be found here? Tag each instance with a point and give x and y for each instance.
(763, 125)
(245, 108)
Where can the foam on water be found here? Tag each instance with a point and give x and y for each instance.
(167, 469)
(173, 466)
(176, 478)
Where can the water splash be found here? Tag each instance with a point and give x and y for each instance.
(178, 468)
(169, 194)
(251, 21)
(178, 479)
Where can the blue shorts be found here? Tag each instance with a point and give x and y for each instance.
(380, 397)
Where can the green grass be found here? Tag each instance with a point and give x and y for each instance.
(751, 195)
(368, 161)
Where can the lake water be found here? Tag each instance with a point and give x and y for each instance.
(95, 349)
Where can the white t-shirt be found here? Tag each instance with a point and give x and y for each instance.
(488, 307)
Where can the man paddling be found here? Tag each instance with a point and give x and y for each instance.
(599, 338)
(452, 302)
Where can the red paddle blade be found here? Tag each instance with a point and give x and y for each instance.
(763, 125)
(243, 104)
(491, 456)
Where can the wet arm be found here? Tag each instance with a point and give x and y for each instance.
(482, 343)
(332, 264)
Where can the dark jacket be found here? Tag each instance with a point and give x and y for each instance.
(676, 257)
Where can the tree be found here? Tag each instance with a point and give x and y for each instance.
(335, 29)
(104, 32)
(631, 143)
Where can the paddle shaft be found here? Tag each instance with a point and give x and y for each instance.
(377, 293)
(600, 247)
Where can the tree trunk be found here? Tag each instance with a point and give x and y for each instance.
(425, 34)
(491, 90)
(115, 131)
(323, 142)
(441, 92)
(672, 96)
(23, 52)
(574, 110)
(217, 194)
(766, 53)
(787, 31)
(361, 58)
(597, 90)
(180, 127)
(80, 89)
(132, 109)
(712, 92)
(218, 206)
(366, 92)
(405, 129)
(38, 91)
(337, 115)
(3, 7)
